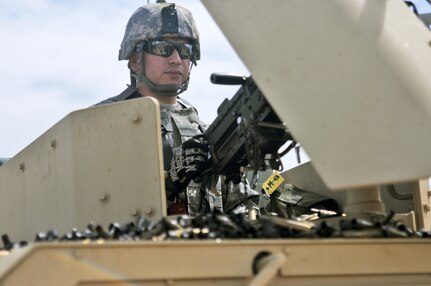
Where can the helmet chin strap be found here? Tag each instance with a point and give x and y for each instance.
(168, 90)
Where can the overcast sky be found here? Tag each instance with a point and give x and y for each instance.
(57, 56)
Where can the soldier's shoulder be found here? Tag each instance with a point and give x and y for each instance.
(129, 93)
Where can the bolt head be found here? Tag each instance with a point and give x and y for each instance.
(104, 198)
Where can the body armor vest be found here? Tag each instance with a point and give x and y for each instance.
(180, 123)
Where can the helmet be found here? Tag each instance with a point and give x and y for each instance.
(154, 21)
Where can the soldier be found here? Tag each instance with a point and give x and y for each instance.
(161, 44)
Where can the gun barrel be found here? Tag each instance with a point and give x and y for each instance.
(228, 79)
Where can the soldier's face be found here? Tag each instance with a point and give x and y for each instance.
(167, 70)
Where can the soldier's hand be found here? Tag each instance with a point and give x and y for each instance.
(189, 160)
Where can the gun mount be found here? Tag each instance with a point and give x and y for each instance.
(247, 132)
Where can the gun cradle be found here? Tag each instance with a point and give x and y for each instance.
(246, 132)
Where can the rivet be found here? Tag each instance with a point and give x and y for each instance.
(136, 118)
(104, 198)
(136, 212)
(149, 211)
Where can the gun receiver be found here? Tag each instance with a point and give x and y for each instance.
(247, 132)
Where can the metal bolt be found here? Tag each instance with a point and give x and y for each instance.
(149, 211)
(104, 198)
(135, 212)
(426, 208)
(136, 118)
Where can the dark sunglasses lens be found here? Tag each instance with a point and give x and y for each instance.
(185, 51)
(165, 49)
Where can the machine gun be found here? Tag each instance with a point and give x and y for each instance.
(247, 133)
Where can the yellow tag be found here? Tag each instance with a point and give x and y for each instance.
(273, 182)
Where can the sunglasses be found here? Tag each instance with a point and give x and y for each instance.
(165, 48)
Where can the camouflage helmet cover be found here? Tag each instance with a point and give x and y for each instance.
(146, 23)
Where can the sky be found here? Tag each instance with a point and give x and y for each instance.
(58, 56)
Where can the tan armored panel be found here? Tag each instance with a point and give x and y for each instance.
(101, 164)
(289, 262)
(349, 78)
